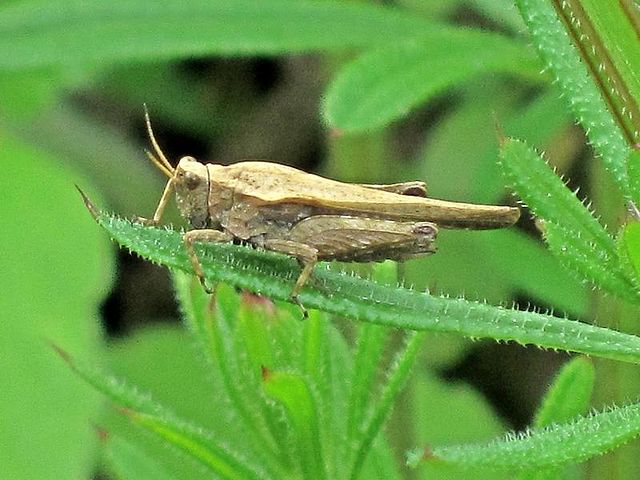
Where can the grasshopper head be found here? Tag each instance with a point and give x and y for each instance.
(191, 182)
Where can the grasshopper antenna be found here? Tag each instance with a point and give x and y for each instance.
(160, 160)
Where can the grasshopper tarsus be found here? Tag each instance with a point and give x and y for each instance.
(150, 222)
(208, 290)
(304, 311)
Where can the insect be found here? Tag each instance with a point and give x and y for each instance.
(308, 217)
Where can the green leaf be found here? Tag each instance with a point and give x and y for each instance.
(569, 395)
(379, 411)
(26, 94)
(384, 84)
(572, 73)
(631, 246)
(311, 363)
(633, 171)
(155, 359)
(510, 252)
(199, 445)
(214, 332)
(195, 441)
(273, 275)
(54, 274)
(567, 398)
(38, 33)
(295, 394)
(369, 350)
(554, 446)
(545, 193)
(370, 346)
(589, 263)
(447, 413)
(573, 234)
(129, 461)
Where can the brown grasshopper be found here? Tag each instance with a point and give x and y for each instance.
(309, 217)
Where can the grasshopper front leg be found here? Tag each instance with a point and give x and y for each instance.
(203, 235)
(162, 204)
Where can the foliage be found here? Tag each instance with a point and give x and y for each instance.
(267, 395)
(46, 298)
(280, 389)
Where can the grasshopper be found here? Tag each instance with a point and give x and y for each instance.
(308, 217)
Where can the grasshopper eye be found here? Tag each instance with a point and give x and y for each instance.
(191, 180)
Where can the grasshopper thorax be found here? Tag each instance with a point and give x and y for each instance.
(191, 183)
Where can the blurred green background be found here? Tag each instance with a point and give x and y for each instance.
(75, 116)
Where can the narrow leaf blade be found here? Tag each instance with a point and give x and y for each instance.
(554, 446)
(198, 444)
(384, 84)
(295, 394)
(569, 395)
(571, 231)
(37, 33)
(273, 275)
(397, 379)
(146, 412)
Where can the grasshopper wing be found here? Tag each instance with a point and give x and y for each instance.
(273, 184)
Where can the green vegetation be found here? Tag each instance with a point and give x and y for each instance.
(453, 94)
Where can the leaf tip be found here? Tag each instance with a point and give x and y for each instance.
(102, 433)
(500, 135)
(255, 301)
(127, 412)
(93, 210)
(265, 372)
(62, 353)
(335, 133)
(419, 455)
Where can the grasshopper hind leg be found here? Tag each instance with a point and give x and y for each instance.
(306, 255)
(358, 239)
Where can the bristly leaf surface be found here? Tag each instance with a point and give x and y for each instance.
(273, 275)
